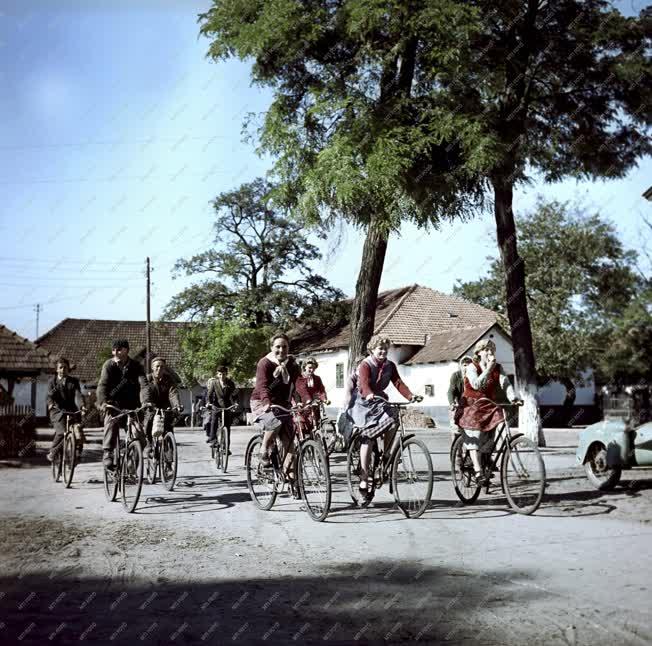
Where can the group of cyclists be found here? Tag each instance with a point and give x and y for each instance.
(280, 384)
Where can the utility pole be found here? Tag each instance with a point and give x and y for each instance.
(38, 311)
(148, 337)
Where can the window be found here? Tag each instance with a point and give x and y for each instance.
(430, 390)
(339, 375)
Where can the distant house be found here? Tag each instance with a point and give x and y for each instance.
(87, 344)
(431, 332)
(21, 363)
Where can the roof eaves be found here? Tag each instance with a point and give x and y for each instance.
(484, 331)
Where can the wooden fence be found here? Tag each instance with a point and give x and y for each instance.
(17, 431)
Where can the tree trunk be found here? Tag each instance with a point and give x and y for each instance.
(363, 311)
(519, 320)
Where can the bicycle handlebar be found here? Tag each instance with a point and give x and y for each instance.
(516, 402)
(415, 400)
(124, 411)
(214, 407)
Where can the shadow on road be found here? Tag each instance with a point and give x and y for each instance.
(388, 601)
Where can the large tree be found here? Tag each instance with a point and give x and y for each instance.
(258, 271)
(350, 122)
(579, 280)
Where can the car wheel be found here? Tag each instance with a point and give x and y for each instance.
(599, 473)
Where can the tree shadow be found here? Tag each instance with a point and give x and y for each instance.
(380, 602)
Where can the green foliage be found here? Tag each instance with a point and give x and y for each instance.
(207, 346)
(258, 272)
(579, 281)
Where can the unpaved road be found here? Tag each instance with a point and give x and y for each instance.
(203, 565)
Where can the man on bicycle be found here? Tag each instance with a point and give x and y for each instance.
(221, 392)
(121, 383)
(161, 392)
(64, 394)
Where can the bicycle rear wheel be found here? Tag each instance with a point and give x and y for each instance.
(260, 480)
(328, 435)
(131, 477)
(315, 479)
(412, 477)
(463, 473)
(353, 469)
(69, 458)
(151, 464)
(169, 459)
(523, 474)
(112, 478)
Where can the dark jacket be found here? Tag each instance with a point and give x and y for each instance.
(455, 387)
(61, 395)
(121, 385)
(221, 396)
(162, 393)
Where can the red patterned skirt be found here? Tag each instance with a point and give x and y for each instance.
(479, 415)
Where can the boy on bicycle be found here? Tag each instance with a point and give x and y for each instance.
(160, 392)
(121, 383)
(221, 392)
(64, 393)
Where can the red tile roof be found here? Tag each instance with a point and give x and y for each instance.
(86, 341)
(407, 316)
(20, 356)
(450, 344)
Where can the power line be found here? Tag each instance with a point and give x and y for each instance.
(71, 262)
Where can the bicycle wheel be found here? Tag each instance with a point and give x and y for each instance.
(353, 468)
(69, 458)
(112, 478)
(315, 479)
(412, 477)
(169, 459)
(224, 444)
(463, 473)
(328, 435)
(260, 480)
(523, 474)
(131, 476)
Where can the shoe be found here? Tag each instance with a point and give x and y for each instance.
(50, 456)
(230, 453)
(265, 460)
(107, 463)
(210, 440)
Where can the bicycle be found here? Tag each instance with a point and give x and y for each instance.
(165, 458)
(220, 448)
(313, 482)
(522, 470)
(324, 427)
(69, 451)
(409, 464)
(127, 477)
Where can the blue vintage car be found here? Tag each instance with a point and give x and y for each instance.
(622, 440)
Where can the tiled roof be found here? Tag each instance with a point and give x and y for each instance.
(19, 355)
(85, 341)
(407, 316)
(449, 344)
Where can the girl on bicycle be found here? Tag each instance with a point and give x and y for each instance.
(276, 376)
(480, 418)
(369, 410)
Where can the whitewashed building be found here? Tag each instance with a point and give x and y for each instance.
(431, 332)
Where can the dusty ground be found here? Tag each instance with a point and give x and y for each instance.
(203, 565)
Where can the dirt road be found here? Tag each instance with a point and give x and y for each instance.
(202, 565)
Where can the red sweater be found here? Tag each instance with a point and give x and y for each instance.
(389, 374)
(306, 393)
(270, 389)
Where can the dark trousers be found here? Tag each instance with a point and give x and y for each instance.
(111, 430)
(148, 422)
(59, 431)
(216, 420)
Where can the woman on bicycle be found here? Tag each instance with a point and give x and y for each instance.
(309, 387)
(480, 418)
(369, 410)
(276, 376)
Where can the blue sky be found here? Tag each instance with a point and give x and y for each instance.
(116, 132)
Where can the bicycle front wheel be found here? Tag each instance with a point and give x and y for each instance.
(315, 479)
(151, 464)
(169, 460)
(224, 446)
(523, 474)
(463, 473)
(412, 477)
(69, 456)
(131, 477)
(260, 480)
(328, 435)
